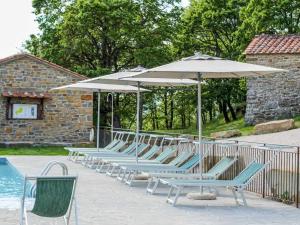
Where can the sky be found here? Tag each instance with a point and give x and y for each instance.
(17, 22)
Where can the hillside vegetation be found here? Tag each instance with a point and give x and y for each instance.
(220, 125)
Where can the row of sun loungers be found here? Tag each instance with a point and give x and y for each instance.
(157, 164)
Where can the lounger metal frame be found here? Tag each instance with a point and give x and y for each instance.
(128, 172)
(24, 211)
(236, 187)
(110, 165)
(157, 178)
(75, 153)
(94, 158)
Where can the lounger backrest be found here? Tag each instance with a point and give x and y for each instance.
(152, 151)
(166, 153)
(118, 146)
(221, 166)
(248, 172)
(53, 196)
(191, 163)
(129, 148)
(111, 144)
(180, 158)
(141, 147)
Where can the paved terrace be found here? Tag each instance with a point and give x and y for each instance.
(290, 137)
(103, 200)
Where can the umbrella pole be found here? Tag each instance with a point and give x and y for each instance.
(137, 122)
(200, 128)
(201, 195)
(98, 120)
(112, 116)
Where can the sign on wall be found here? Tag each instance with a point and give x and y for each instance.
(24, 111)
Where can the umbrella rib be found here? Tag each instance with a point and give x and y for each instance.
(257, 74)
(236, 75)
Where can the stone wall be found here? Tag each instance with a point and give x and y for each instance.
(277, 96)
(67, 114)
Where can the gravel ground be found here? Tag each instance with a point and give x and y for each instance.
(104, 200)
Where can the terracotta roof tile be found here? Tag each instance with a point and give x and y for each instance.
(274, 44)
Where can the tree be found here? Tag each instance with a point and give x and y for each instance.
(104, 34)
(212, 27)
(96, 37)
(49, 14)
(270, 16)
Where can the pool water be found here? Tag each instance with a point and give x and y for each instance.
(11, 180)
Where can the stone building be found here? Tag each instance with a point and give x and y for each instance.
(277, 96)
(30, 113)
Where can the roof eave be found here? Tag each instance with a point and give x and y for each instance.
(43, 61)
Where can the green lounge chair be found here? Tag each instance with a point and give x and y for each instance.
(129, 152)
(183, 167)
(122, 172)
(120, 149)
(54, 197)
(161, 158)
(216, 171)
(146, 158)
(91, 158)
(74, 153)
(104, 163)
(237, 185)
(85, 153)
(88, 156)
(101, 160)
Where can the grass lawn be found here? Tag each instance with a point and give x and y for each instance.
(33, 151)
(215, 126)
(297, 121)
(219, 125)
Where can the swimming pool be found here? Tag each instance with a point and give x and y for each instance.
(11, 180)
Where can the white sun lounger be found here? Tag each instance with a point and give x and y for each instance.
(237, 185)
(114, 165)
(216, 171)
(213, 173)
(91, 157)
(182, 157)
(115, 145)
(103, 161)
(129, 152)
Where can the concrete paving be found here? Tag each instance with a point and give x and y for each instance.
(290, 137)
(104, 200)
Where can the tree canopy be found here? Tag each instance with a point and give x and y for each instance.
(96, 37)
(104, 35)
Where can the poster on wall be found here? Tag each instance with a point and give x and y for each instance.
(24, 111)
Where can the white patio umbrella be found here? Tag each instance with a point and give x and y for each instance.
(201, 67)
(120, 78)
(98, 87)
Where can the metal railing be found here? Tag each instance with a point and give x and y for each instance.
(280, 181)
(46, 170)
